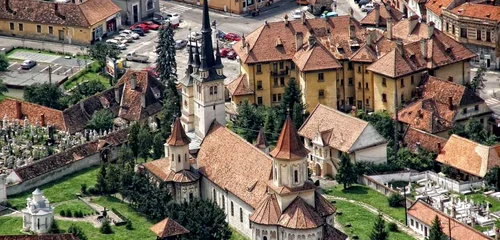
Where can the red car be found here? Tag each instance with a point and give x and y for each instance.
(232, 37)
(142, 26)
(224, 51)
(231, 54)
(151, 25)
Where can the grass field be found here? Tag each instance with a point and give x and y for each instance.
(74, 206)
(369, 196)
(86, 77)
(361, 221)
(10, 225)
(61, 190)
(237, 236)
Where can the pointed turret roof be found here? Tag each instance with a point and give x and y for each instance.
(197, 61)
(206, 32)
(168, 228)
(178, 136)
(261, 140)
(190, 59)
(289, 146)
(218, 60)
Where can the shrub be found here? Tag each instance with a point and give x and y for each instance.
(93, 191)
(62, 213)
(129, 225)
(393, 227)
(69, 213)
(395, 200)
(105, 227)
(83, 188)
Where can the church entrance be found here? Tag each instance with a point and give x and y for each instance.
(317, 170)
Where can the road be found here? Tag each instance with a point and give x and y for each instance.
(491, 91)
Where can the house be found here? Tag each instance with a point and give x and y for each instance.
(434, 10)
(232, 6)
(367, 67)
(135, 11)
(318, 7)
(477, 27)
(416, 140)
(417, 7)
(135, 97)
(168, 229)
(421, 215)
(443, 104)
(470, 159)
(38, 214)
(72, 23)
(379, 16)
(329, 133)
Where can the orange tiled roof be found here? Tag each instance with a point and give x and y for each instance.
(289, 145)
(475, 10)
(17, 109)
(233, 164)
(299, 215)
(178, 136)
(436, 5)
(397, 63)
(168, 228)
(364, 54)
(315, 58)
(239, 86)
(385, 12)
(469, 156)
(425, 213)
(161, 169)
(268, 212)
(415, 138)
(96, 11)
(261, 141)
(323, 207)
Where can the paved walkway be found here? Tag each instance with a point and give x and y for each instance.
(373, 210)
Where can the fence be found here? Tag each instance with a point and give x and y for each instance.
(380, 187)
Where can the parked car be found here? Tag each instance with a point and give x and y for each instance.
(297, 14)
(329, 14)
(221, 34)
(223, 51)
(119, 45)
(180, 44)
(138, 31)
(134, 57)
(195, 36)
(126, 37)
(174, 21)
(121, 39)
(367, 7)
(28, 64)
(131, 33)
(170, 15)
(231, 54)
(363, 2)
(151, 25)
(232, 37)
(142, 26)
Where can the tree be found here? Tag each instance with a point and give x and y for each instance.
(270, 124)
(145, 142)
(101, 120)
(77, 232)
(248, 121)
(292, 96)
(477, 82)
(101, 184)
(381, 121)
(166, 65)
(436, 231)
(493, 177)
(45, 94)
(125, 155)
(54, 227)
(395, 200)
(100, 51)
(3, 88)
(203, 218)
(70, 99)
(170, 110)
(298, 115)
(475, 131)
(4, 62)
(347, 174)
(90, 88)
(133, 141)
(105, 227)
(112, 179)
(129, 226)
(379, 232)
(158, 143)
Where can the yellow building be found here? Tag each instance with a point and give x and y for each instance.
(232, 6)
(80, 23)
(339, 64)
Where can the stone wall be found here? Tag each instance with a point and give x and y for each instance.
(3, 188)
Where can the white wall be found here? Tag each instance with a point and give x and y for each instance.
(432, 17)
(418, 226)
(375, 154)
(3, 189)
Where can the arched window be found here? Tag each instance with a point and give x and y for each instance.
(232, 209)
(296, 176)
(215, 196)
(179, 158)
(191, 197)
(215, 89)
(173, 158)
(150, 5)
(211, 90)
(264, 238)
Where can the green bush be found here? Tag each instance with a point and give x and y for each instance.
(93, 191)
(395, 200)
(105, 227)
(129, 225)
(393, 227)
(83, 188)
(62, 213)
(69, 213)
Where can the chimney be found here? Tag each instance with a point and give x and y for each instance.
(354, 111)
(389, 28)
(412, 22)
(399, 47)
(133, 81)
(423, 48)
(19, 114)
(286, 20)
(439, 147)
(143, 100)
(430, 29)
(450, 103)
(247, 48)
(299, 40)
(243, 40)
(419, 113)
(352, 30)
(377, 14)
(304, 18)
(117, 95)
(311, 41)
(42, 119)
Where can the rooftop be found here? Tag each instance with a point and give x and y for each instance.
(168, 228)
(481, 11)
(436, 5)
(415, 139)
(289, 145)
(161, 169)
(385, 12)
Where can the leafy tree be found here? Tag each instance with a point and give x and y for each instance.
(71, 99)
(270, 124)
(421, 161)
(145, 142)
(248, 121)
(129, 226)
(54, 228)
(395, 200)
(3, 88)
(298, 115)
(477, 82)
(4, 62)
(83, 188)
(493, 177)
(436, 231)
(475, 131)
(45, 94)
(112, 179)
(166, 64)
(347, 174)
(102, 184)
(101, 120)
(125, 155)
(292, 96)
(90, 88)
(158, 143)
(77, 232)
(204, 219)
(133, 141)
(381, 121)
(379, 232)
(99, 51)
(105, 227)
(170, 110)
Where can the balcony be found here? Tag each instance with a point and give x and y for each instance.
(280, 73)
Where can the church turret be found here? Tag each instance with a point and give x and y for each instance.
(177, 148)
(261, 142)
(218, 61)
(190, 59)
(206, 36)
(204, 64)
(197, 61)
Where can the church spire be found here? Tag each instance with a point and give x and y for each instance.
(190, 59)
(289, 146)
(206, 32)
(196, 57)
(218, 61)
(204, 64)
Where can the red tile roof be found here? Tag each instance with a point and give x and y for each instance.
(364, 54)
(385, 12)
(425, 213)
(475, 10)
(233, 164)
(323, 207)
(415, 138)
(261, 141)
(436, 5)
(315, 57)
(239, 87)
(397, 63)
(168, 228)
(299, 215)
(178, 136)
(161, 169)
(289, 145)
(40, 237)
(17, 109)
(267, 212)
(331, 233)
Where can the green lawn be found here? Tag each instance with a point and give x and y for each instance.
(479, 197)
(236, 235)
(361, 221)
(61, 190)
(74, 206)
(369, 196)
(85, 77)
(11, 225)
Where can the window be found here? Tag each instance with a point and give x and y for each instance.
(211, 90)
(321, 93)
(259, 68)
(191, 197)
(264, 238)
(476, 108)
(179, 158)
(402, 82)
(425, 231)
(367, 102)
(223, 203)
(259, 85)
(478, 34)
(341, 82)
(359, 69)
(463, 32)
(215, 196)
(417, 225)
(412, 81)
(173, 157)
(292, 65)
(150, 5)
(402, 98)
(447, 27)
(275, 82)
(366, 71)
(453, 29)
(488, 36)
(215, 90)
(241, 215)
(259, 100)
(384, 97)
(349, 66)
(275, 65)
(366, 85)
(185, 157)
(481, 121)
(279, 97)
(282, 64)
(232, 208)
(39, 28)
(51, 30)
(275, 98)
(296, 176)
(321, 77)
(411, 221)
(384, 82)
(21, 27)
(11, 25)
(350, 81)
(282, 81)
(464, 111)
(359, 85)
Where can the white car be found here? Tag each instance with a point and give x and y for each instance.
(131, 34)
(120, 46)
(195, 36)
(367, 7)
(121, 39)
(297, 14)
(126, 37)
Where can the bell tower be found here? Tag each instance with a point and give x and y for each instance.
(177, 148)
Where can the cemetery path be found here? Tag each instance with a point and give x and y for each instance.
(374, 210)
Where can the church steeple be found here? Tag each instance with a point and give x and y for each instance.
(177, 148)
(190, 59)
(206, 38)
(218, 61)
(197, 62)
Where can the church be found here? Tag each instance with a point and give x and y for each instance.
(266, 195)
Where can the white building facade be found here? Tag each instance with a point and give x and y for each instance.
(38, 214)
